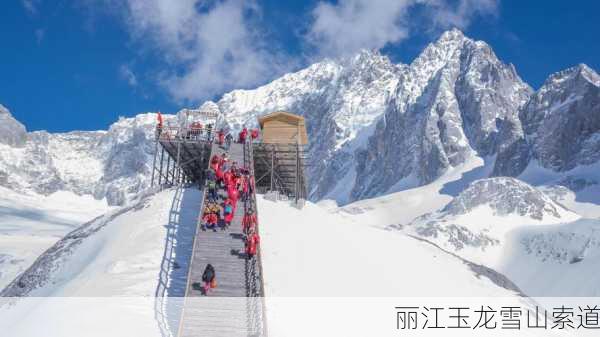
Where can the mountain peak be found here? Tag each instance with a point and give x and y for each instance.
(4, 110)
(588, 73)
(366, 57)
(453, 34)
(12, 132)
(575, 73)
(505, 196)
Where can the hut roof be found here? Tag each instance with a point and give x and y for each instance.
(281, 115)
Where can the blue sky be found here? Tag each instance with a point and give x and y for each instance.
(80, 64)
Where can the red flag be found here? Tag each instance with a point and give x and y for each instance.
(160, 119)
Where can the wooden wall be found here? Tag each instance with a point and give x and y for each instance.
(284, 131)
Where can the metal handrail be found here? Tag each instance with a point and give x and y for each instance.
(256, 280)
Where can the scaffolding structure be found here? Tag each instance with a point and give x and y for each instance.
(280, 167)
(182, 152)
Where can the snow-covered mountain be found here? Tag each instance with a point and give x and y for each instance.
(340, 99)
(11, 131)
(518, 230)
(469, 220)
(375, 127)
(562, 120)
(450, 105)
(113, 164)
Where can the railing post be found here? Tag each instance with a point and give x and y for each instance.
(179, 157)
(272, 166)
(160, 172)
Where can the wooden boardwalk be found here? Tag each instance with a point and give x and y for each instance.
(226, 311)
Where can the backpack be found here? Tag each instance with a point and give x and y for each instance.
(228, 209)
(212, 185)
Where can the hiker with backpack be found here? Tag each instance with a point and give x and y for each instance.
(254, 134)
(212, 190)
(209, 277)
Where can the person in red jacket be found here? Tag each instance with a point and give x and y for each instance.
(254, 134)
(238, 182)
(233, 194)
(249, 221)
(215, 162)
(228, 178)
(220, 137)
(220, 176)
(210, 221)
(252, 242)
(242, 136)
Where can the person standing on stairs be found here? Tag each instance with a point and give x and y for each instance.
(212, 190)
(159, 124)
(209, 277)
(228, 140)
(245, 189)
(220, 137)
(254, 134)
(242, 136)
(228, 212)
(209, 128)
(210, 220)
(249, 221)
(252, 241)
(233, 194)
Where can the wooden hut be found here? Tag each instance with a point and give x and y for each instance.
(280, 157)
(283, 128)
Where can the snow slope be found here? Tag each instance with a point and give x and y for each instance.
(30, 223)
(317, 253)
(512, 227)
(117, 254)
(409, 200)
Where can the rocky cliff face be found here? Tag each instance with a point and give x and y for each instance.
(338, 98)
(505, 196)
(12, 132)
(481, 215)
(560, 125)
(562, 120)
(113, 164)
(451, 103)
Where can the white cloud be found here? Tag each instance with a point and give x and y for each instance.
(30, 6)
(127, 74)
(350, 25)
(213, 45)
(459, 14)
(40, 33)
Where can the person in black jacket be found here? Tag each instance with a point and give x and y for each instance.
(209, 278)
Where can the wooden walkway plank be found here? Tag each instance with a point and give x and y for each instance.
(225, 311)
